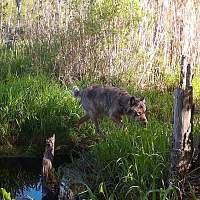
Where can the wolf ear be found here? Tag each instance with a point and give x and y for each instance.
(142, 99)
(132, 101)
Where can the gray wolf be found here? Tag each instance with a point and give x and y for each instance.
(111, 101)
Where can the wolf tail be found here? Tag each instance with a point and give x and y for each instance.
(76, 92)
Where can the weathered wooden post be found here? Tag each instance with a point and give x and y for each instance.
(49, 180)
(182, 145)
(48, 157)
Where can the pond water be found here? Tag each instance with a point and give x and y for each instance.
(22, 176)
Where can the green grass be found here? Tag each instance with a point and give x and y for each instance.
(134, 161)
(131, 163)
(34, 107)
(4, 194)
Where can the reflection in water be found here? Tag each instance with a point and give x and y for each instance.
(33, 192)
(21, 176)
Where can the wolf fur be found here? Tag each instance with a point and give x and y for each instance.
(110, 101)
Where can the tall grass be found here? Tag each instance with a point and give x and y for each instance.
(134, 163)
(131, 163)
(71, 39)
(32, 108)
(135, 160)
(124, 43)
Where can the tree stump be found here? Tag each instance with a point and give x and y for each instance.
(182, 146)
(50, 189)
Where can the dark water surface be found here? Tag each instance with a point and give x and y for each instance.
(22, 176)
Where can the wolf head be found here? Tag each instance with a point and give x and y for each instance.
(136, 108)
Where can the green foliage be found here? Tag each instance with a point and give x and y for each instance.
(4, 194)
(131, 163)
(14, 62)
(103, 13)
(196, 88)
(8, 8)
(171, 80)
(32, 108)
(51, 51)
(134, 160)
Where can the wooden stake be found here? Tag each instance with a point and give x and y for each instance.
(182, 146)
(49, 181)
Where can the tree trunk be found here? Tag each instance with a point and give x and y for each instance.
(182, 146)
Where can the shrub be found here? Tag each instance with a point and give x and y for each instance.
(34, 107)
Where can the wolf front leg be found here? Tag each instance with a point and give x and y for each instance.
(117, 119)
(97, 128)
(82, 120)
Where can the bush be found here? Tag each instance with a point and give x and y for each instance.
(32, 108)
(4, 195)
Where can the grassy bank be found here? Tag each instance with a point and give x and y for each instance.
(135, 164)
(135, 161)
(128, 163)
(131, 163)
(32, 108)
(131, 44)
